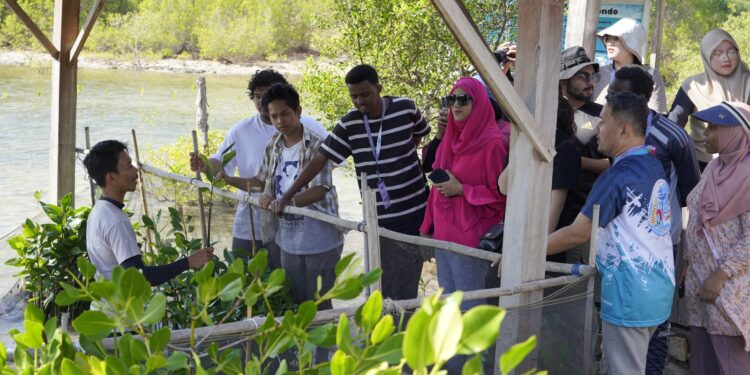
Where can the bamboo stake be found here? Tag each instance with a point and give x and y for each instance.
(201, 212)
(92, 187)
(353, 225)
(252, 224)
(141, 182)
(588, 345)
(364, 189)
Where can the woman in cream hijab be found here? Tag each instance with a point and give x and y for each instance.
(725, 78)
(624, 41)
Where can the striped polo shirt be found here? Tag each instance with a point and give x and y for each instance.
(398, 163)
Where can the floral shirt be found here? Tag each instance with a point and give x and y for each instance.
(730, 314)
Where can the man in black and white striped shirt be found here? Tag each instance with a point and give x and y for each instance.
(382, 134)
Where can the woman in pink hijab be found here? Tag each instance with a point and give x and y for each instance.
(717, 285)
(464, 207)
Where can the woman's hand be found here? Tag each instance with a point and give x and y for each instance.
(265, 201)
(499, 263)
(712, 286)
(451, 187)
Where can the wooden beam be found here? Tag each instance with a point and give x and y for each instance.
(537, 79)
(96, 8)
(656, 34)
(33, 28)
(583, 17)
(467, 34)
(64, 99)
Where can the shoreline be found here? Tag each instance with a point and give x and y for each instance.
(292, 65)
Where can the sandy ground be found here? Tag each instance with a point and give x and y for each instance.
(290, 66)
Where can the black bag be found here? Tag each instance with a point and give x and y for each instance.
(493, 239)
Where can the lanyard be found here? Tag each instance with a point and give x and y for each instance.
(648, 122)
(376, 150)
(637, 150)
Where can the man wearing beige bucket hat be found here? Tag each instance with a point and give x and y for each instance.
(624, 41)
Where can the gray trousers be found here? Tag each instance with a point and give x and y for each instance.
(303, 271)
(624, 349)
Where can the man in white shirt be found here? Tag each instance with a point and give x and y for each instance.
(110, 238)
(249, 138)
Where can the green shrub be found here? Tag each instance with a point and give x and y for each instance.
(175, 158)
(47, 254)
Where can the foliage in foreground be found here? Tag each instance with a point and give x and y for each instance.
(47, 254)
(370, 344)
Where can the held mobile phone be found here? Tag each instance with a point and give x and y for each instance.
(438, 176)
(444, 102)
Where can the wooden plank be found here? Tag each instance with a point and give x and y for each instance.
(142, 186)
(656, 34)
(33, 28)
(530, 182)
(588, 330)
(96, 8)
(583, 17)
(64, 100)
(471, 41)
(370, 204)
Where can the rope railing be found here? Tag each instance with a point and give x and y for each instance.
(564, 268)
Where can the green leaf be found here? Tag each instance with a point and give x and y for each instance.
(230, 361)
(148, 222)
(159, 339)
(481, 328)
(207, 290)
(446, 328)
(115, 366)
(176, 361)
(230, 286)
(382, 330)
(33, 315)
(138, 350)
(371, 311)
(86, 268)
(133, 286)
(204, 274)
(3, 355)
(344, 263)
(305, 314)
(209, 172)
(371, 277)
(155, 310)
(238, 267)
(69, 367)
(343, 335)
(391, 349)
(473, 366)
(258, 264)
(94, 324)
(341, 364)
(516, 354)
(226, 158)
(417, 347)
(277, 277)
(155, 362)
(323, 336)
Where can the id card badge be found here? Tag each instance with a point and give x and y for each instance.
(384, 194)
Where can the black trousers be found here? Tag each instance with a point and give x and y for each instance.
(401, 262)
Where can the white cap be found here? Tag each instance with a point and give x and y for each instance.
(631, 33)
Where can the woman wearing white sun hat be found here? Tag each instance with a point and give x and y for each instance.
(624, 41)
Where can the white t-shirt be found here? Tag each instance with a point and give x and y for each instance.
(250, 137)
(110, 238)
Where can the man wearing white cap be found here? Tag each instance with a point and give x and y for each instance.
(624, 41)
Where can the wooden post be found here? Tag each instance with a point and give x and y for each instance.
(524, 248)
(372, 238)
(201, 212)
(201, 117)
(656, 34)
(64, 96)
(92, 186)
(252, 224)
(580, 30)
(142, 185)
(588, 343)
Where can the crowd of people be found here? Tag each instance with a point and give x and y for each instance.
(616, 147)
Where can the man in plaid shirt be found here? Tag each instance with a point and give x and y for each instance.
(309, 247)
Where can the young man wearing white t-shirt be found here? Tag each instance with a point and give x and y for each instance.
(110, 238)
(249, 138)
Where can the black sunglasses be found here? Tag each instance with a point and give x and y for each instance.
(451, 100)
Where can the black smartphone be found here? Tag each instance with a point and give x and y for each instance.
(438, 176)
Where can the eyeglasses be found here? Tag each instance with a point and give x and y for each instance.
(586, 76)
(610, 39)
(451, 100)
(730, 53)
